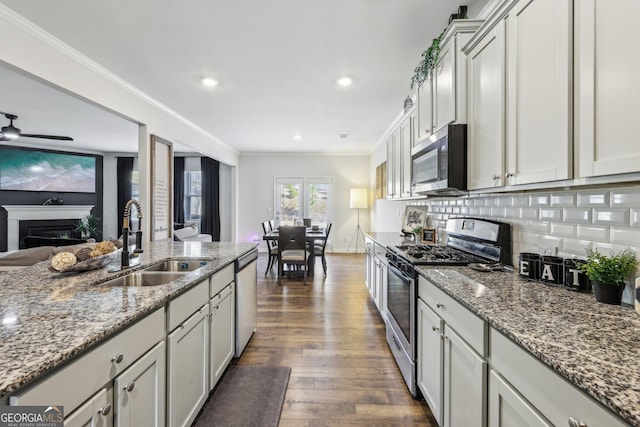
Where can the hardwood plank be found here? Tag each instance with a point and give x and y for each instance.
(330, 333)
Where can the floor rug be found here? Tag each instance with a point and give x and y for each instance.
(247, 396)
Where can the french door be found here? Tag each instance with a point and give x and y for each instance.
(303, 198)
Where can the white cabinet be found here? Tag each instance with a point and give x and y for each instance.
(96, 412)
(369, 263)
(394, 168)
(139, 392)
(430, 355)
(222, 333)
(378, 292)
(407, 131)
(508, 409)
(607, 88)
(452, 371)
(425, 109)
(529, 138)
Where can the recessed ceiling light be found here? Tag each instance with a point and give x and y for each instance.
(345, 81)
(297, 137)
(209, 82)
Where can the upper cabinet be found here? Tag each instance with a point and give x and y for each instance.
(520, 87)
(442, 97)
(607, 89)
(399, 144)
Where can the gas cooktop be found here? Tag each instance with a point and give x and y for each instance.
(418, 254)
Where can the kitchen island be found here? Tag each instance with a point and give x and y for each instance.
(51, 318)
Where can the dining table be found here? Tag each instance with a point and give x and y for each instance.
(312, 235)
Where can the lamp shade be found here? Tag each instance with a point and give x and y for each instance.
(358, 198)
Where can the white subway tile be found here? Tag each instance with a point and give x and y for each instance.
(538, 227)
(635, 217)
(448, 210)
(464, 210)
(563, 199)
(459, 202)
(580, 215)
(503, 201)
(625, 197)
(550, 214)
(564, 229)
(611, 216)
(594, 233)
(625, 236)
(593, 198)
(577, 247)
(530, 240)
(547, 242)
(468, 201)
(529, 213)
(512, 212)
(497, 212)
(474, 211)
(539, 200)
(608, 248)
(485, 211)
(520, 200)
(455, 210)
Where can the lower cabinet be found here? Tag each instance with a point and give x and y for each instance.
(96, 412)
(187, 360)
(222, 333)
(508, 409)
(139, 392)
(430, 356)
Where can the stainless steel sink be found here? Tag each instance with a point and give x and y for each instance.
(177, 265)
(144, 278)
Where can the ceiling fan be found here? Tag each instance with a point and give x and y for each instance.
(9, 133)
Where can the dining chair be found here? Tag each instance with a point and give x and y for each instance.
(292, 250)
(272, 224)
(272, 245)
(319, 248)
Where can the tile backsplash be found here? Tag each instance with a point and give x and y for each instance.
(566, 223)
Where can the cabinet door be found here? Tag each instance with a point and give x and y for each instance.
(539, 85)
(369, 263)
(397, 163)
(508, 409)
(430, 358)
(382, 289)
(188, 359)
(486, 127)
(607, 89)
(222, 335)
(444, 86)
(425, 109)
(405, 157)
(391, 166)
(139, 392)
(96, 412)
(465, 374)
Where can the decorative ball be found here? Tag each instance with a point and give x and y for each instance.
(83, 254)
(106, 247)
(117, 243)
(95, 253)
(63, 260)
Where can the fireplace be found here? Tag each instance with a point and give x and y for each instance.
(47, 232)
(17, 214)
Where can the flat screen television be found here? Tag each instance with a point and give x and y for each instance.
(28, 169)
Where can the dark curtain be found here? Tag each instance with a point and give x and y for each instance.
(210, 221)
(178, 189)
(124, 173)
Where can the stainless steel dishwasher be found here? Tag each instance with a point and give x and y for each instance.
(246, 299)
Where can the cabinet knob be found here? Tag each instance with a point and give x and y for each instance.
(508, 175)
(130, 386)
(575, 423)
(435, 328)
(495, 177)
(439, 305)
(105, 409)
(118, 358)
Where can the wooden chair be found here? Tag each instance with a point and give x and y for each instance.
(272, 245)
(319, 246)
(292, 250)
(272, 224)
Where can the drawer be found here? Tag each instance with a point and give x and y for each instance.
(221, 279)
(78, 380)
(221, 295)
(469, 326)
(185, 305)
(551, 395)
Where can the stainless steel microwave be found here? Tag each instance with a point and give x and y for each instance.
(439, 163)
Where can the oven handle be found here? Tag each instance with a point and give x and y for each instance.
(399, 272)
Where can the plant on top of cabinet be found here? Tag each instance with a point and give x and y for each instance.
(609, 272)
(428, 62)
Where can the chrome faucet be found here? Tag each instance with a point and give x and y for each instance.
(125, 232)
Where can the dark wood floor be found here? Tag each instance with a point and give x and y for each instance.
(330, 334)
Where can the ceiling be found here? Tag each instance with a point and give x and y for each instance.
(277, 62)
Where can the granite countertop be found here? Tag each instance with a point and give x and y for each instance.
(593, 345)
(48, 318)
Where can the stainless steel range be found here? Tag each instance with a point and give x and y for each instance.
(470, 240)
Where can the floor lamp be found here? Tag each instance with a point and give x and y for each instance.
(358, 200)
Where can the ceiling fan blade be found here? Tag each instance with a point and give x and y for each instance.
(58, 138)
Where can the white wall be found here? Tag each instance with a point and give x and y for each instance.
(226, 203)
(256, 191)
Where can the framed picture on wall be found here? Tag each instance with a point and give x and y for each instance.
(414, 217)
(161, 182)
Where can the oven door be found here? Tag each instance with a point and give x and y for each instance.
(401, 302)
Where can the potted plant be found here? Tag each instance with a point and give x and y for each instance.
(428, 62)
(608, 273)
(88, 226)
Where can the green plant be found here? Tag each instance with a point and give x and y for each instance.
(428, 62)
(88, 225)
(613, 269)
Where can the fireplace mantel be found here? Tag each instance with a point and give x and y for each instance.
(16, 213)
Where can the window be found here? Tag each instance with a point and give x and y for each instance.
(192, 195)
(303, 198)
